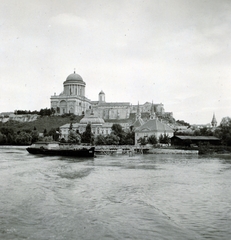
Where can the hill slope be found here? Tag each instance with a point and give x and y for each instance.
(46, 122)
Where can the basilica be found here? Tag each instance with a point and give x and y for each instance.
(72, 100)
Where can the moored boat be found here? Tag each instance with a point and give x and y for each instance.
(59, 149)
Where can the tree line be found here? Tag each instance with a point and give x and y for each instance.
(163, 139)
(42, 112)
(26, 136)
(117, 137)
(23, 137)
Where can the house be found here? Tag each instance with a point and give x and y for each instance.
(153, 127)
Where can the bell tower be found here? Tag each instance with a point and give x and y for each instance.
(214, 121)
(101, 97)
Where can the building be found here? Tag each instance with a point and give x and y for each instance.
(195, 140)
(146, 108)
(98, 126)
(111, 110)
(72, 99)
(153, 127)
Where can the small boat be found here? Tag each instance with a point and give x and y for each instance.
(60, 149)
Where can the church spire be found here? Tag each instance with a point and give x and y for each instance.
(214, 121)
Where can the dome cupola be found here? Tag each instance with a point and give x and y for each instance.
(74, 85)
(74, 78)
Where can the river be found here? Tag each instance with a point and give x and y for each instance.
(114, 197)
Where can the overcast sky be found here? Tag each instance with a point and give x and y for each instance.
(175, 52)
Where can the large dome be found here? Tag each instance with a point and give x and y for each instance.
(74, 77)
(92, 120)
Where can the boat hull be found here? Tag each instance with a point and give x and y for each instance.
(83, 152)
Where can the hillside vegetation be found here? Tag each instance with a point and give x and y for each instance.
(53, 122)
(45, 122)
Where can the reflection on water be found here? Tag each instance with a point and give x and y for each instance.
(114, 197)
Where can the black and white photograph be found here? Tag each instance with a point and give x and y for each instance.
(115, 119)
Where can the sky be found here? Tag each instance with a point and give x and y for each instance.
(174, 52)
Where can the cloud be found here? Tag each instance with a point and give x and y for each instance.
(69, 20)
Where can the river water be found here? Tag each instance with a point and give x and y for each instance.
(114, 197)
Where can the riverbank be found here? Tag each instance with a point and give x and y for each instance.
(131, 150)
(119, 149)
(171, 151)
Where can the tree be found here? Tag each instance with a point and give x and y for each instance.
(9, 134)
(142, 141)
(52, 111)
(45, 112)
(73, 137)
(224, 131)
(119, 132)
(152, 139)
(164, 138)
(55, 133)
(34, 136)
(100, 140)
(3, 138)
(203, 132)
(182, 122)
(129, 138)
(112, 139)
(87, 136)
(23, 138)
(41, 112)
(45, 132)
(225, 122)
